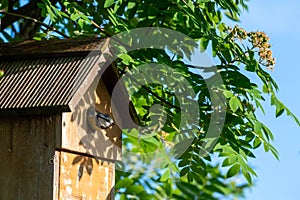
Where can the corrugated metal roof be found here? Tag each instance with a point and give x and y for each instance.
(43, 82)
(52, 76)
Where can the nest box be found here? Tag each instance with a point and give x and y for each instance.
(52, 143)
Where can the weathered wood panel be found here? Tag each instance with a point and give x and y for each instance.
(83, 177)
(26, 151)
(79, 136)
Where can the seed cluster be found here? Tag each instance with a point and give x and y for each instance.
(259, 40)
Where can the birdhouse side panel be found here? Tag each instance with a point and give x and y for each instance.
(84, 177)
(90, 127)
(27, 147)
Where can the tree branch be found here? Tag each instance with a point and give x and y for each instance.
(35, 21)
(30, 9)
(101, 29)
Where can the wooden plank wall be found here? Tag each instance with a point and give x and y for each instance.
(81, 176)
(84, 177)
(27, 147)
(32, 168)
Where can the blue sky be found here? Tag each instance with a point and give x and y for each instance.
(278, 180)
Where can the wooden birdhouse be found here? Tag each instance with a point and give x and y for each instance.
(58, 133)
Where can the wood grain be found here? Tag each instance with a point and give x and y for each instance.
(83, 177)
(26, 152)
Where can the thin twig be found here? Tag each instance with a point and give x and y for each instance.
(35, 21)
(101, 29)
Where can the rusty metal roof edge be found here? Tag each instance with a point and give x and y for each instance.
(30, 56)
(90, 78)
(47, 110)
(49, 48)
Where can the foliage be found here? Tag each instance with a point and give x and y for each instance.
(238, 54)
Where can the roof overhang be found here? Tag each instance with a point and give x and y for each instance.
(39, 75)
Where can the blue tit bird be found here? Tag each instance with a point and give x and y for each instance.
(104, 120)
(97, 120)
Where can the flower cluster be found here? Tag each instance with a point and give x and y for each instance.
(259, 40)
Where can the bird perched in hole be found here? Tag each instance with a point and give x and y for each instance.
(98, 120)
(104, 120)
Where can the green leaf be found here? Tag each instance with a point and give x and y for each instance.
(184, 171)
(124, 183)
(257, 127)
(235, 104)
(196, 168)
(203, 44)
(190, 177)
(257, 142)
(258, 105)
(248, 177)
(197, 177)
(134, 189)
(228, 94)
(183, 163)
(4, 4)
(126, 59)
(80, 23)
(169, 187)
(234, 170)
(289, 113)
(266, 147)
(279, 110)
(108, 3)
(131, 5)
(227, 55)
(199, 161)
(1, 72)
(265, 89)
(166, 175)
(227, 162)
(232, 16)
(274, 152)
(188, 189)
